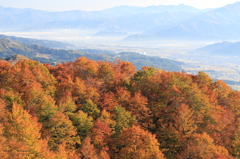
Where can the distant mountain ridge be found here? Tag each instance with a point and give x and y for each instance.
(25, 19)
(222, 49)
(127, 10)
(221, 23)
(172, 22)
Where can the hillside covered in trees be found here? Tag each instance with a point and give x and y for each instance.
(36, 50)
(101, 110)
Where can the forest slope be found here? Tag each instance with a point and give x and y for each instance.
(45, 43)
(9, 47)
(88, 109)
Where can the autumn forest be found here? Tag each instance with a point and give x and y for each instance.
(101, 110)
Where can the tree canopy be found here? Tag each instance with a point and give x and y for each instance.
(88, 109)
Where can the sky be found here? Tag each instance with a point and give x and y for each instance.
(89, 5)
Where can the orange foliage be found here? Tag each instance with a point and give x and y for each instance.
(137, 143)
(202, 146)
(22, 132)
(88, 150)
(98, 103)
(100, 134)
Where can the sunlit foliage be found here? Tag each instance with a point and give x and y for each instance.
(103, 110)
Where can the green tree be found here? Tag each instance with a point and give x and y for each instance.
(123, 118)
(91, 109)
(66, 103)
(62, 130)
(82, 122)
(236, 144)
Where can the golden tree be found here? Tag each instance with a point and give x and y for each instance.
(24, 131)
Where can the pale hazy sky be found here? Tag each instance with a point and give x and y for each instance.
(60, 5)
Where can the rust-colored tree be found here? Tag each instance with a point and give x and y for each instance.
(108, 102)
(64, 153)
(202, 146)
(136, 143)
(4, 66)
(85, 68)
(3, 145)
(107, 118)
(87, 149)
(100, 135)
(137, 105)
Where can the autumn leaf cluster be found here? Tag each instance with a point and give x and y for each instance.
(103, 110)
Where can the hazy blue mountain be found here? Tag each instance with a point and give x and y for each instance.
(128, 10)
(111, 34)
(114, 31)
(96, 51)
(222, 49)
(222, 23)
(178, 22)
(128, 17)
(147, 21)
(213, 47)
(12, 11)
(141, 22)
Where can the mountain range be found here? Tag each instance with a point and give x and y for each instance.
(171, 22)
(127, 18)
(221, 23)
